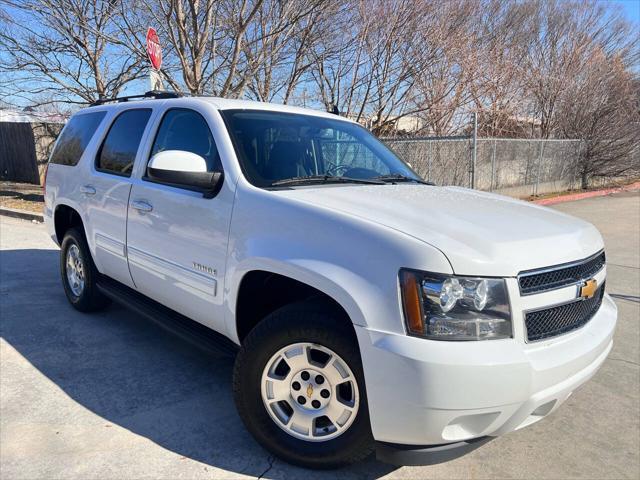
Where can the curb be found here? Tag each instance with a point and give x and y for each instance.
(22, 214)
(580, 196)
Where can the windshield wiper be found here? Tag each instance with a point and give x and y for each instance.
(322, 179)
(398, 177)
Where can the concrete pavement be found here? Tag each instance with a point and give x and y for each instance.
(110, 395)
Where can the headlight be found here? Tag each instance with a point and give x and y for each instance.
(448, 307)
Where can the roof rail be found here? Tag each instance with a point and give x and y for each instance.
(156, 94)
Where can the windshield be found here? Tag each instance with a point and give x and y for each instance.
(273, 147)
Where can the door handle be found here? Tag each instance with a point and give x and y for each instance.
(142, 205)
(88, 190)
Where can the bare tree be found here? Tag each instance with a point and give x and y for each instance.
(339, 61)
(280, 44)
(366, 68)
(187, 29)
(564, 36)
(229, 48)
(449, 62)
(501, 39)
(391, 44)
(601, 108)
(62, 47)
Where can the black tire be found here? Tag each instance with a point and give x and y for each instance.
(90, 299)
(312, 322)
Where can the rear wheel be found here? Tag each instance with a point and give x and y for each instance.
(79, 273)
(299, 388)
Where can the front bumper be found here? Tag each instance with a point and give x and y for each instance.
(426, 455)
(422, 392)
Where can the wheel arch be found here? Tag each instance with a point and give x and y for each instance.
(254, 297)
(65, 217)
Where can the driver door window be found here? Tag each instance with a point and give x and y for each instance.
(186, 130)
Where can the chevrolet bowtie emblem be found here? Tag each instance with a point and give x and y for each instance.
(309, 391)
(589, 288)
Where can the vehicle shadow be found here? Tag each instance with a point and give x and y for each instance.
(133, 374)
(28, 197)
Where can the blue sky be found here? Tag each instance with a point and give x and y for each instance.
(630, 8)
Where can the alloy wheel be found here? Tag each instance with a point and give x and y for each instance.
(310, 392)
(75, 270)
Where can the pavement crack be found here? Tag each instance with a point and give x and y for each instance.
(630, 362)
(622, 266)
(626, 298)
(270, 459)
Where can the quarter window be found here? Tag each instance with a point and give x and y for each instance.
(75, 138)
(118, 151)
(187, 130)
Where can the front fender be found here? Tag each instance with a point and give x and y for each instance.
(350, 259)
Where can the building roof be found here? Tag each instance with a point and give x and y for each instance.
(17, 116)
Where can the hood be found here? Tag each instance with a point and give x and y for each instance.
(480, 233)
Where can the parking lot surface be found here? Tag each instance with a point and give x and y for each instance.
(110, 395)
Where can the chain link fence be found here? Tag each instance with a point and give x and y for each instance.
(516, 167)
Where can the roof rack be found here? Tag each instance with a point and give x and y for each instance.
(155, 94)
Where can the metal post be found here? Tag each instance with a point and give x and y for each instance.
(535, 187)
(493, 165)
(577, 184)
(472, 176)
(429, 161)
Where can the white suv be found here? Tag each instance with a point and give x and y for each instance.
(369, 309)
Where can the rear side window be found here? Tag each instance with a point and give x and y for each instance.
(118, 151)
(187, 130)
(75, 138)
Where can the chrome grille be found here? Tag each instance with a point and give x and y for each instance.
(541, 280)
(553, 321)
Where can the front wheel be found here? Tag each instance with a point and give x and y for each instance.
(299, 389)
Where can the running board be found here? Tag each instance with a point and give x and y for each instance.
(189, 330)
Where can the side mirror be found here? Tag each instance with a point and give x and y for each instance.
(186, 170)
